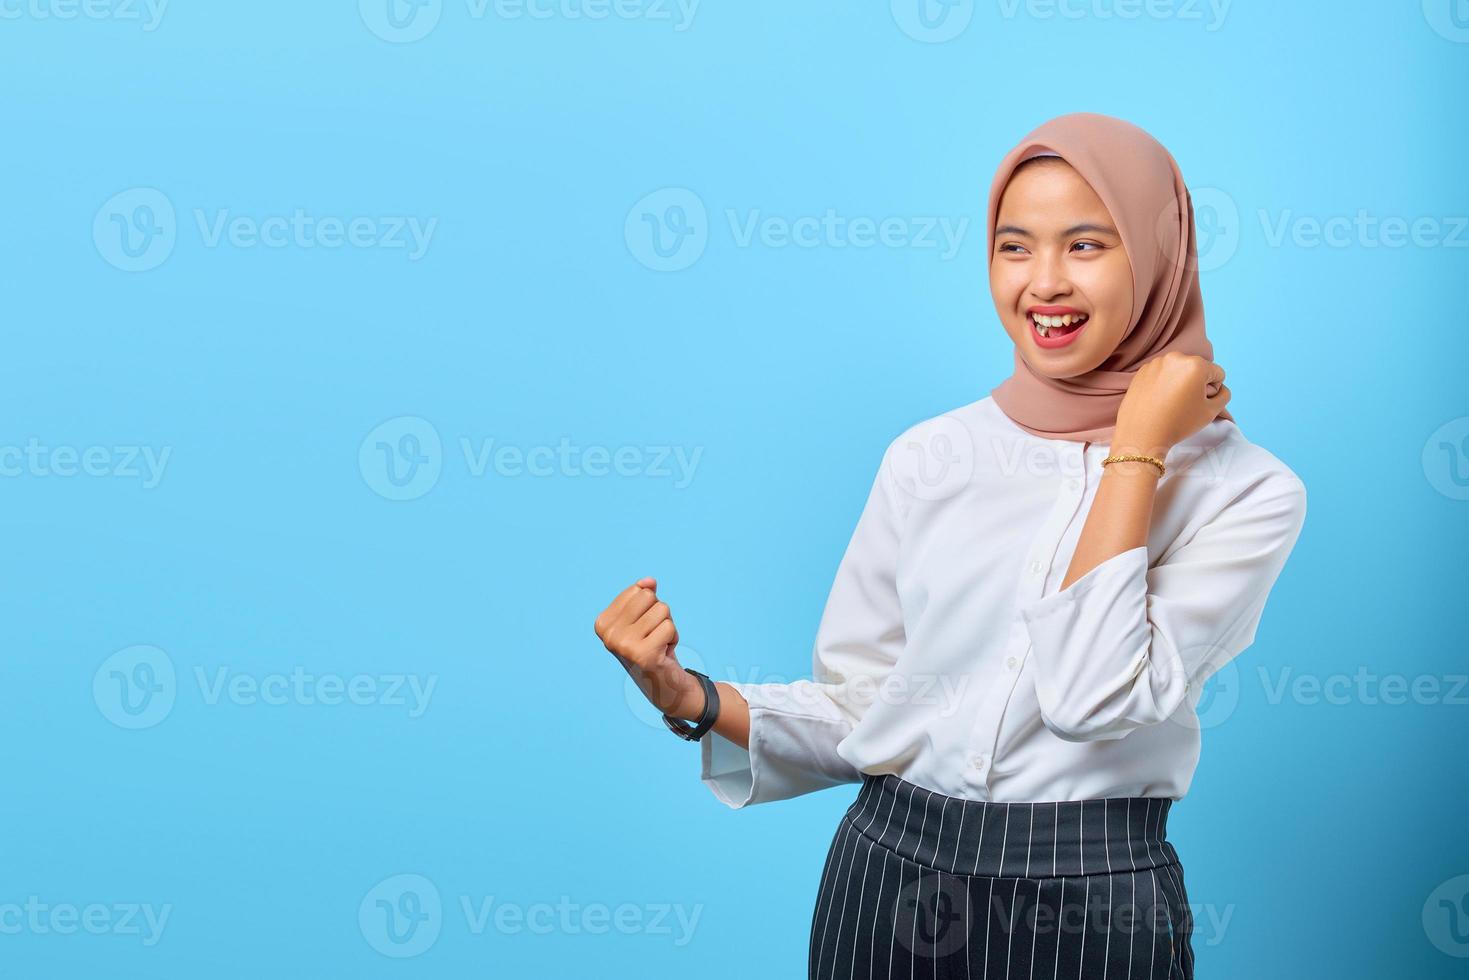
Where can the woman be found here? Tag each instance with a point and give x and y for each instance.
(1011, 656)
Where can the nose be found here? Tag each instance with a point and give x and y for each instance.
(1048, 278)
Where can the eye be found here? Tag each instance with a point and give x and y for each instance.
(1095, 246)
(1009, 247)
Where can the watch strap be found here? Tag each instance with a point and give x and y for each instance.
(694, 732)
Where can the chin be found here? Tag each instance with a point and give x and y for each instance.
(1066, 362)
(1051, 365)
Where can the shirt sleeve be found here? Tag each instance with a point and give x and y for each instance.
(795, 727)
(1123, 645)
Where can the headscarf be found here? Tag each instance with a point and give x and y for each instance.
(1143, 189)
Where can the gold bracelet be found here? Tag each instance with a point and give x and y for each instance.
(1128, 458)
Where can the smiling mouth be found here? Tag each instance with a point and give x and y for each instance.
(1056, 326)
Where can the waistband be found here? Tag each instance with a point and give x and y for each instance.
(1013, 840)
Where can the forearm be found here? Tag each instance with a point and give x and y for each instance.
(734, 716)
(1121, 512)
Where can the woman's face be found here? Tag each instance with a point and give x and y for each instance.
(1058, 254)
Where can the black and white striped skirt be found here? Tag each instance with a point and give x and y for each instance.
(922, 885)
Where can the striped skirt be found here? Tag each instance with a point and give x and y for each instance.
(922, 885)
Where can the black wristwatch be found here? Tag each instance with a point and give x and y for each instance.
(693, 733)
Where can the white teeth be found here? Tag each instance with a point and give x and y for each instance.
(1045, 324)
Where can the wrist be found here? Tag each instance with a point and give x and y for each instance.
(692, 728)
(1127, 444)
(1142, 449)
(690, 705)
(1134, 467)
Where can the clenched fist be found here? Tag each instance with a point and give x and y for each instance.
(637, 628)
(1167, 401)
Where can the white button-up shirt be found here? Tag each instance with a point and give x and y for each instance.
(947, 655)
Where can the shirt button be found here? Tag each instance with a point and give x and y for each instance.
(978, 761)
(1035, 567)
(1011, 662)
(1073, 484)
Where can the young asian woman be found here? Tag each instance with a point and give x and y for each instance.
(1011, 656)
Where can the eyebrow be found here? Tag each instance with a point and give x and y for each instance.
(1073, 230)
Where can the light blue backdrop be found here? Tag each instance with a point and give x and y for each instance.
(345, 381)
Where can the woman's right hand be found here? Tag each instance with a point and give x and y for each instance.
(1167, 401)
(637, 628)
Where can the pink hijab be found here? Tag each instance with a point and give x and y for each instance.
(1140, 183)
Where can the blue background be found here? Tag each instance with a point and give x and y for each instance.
(538, 313)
